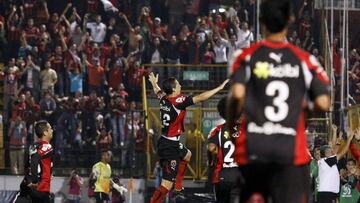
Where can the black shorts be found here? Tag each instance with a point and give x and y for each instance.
(327, 197)
(40, 197)
(281, 183)
(101, 197)
(170, 153)
(229, 187)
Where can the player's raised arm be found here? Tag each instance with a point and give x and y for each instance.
(206, 95)
(154, 82)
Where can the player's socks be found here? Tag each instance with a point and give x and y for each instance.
(180, 175)
(159, 195)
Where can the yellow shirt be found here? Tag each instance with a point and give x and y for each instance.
(102, 173)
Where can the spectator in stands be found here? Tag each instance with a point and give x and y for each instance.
(118, 107)
(92, 105)
(10, 78)
(14, 26)
(135, 39)
(195, 50)
(58, 64)
(31, 78)
(172, 55)
(96, 77)
(219, 46)
(115, 72)
(245, 35)
(97, 28)
(314, 172)
(48, 78)
(329, 177)
(17, 135)
(24, 48)
(48, 108)
(75, 183)
(76, 77)
(32, 32)
(209, 56)
(348, 180)
(156, 55)
(134, 81)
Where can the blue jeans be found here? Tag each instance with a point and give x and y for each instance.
(118, 128)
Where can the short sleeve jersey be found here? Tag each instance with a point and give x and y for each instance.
(279, 78)
(103, 173)
(226, 148)
(172, 113)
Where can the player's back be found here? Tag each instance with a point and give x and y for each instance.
(223, 140)
(279, 77)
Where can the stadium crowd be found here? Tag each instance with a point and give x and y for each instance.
(79, 64)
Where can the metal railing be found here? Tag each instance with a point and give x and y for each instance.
(127, 159)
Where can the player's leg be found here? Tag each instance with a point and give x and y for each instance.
(185, 157)
(290, 184)
(169, 169)
(256, 181)
(169, 162)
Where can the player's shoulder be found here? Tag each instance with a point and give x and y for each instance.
(177, 99)
(44, 148)
(244, 54)
(215, 130)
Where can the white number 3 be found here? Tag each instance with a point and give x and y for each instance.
(282, 108)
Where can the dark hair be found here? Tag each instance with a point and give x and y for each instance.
(275, 14)
(221, 107)
(40, 128)
(323, 149)
(168, 85)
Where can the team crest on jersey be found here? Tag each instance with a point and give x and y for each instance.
(180, 99)
(46, 148)
(173, 164)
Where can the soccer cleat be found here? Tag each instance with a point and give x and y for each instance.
(179, 193)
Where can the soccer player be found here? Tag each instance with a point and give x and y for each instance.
(36, 183)
(227, 178)
(173, 155)
(101, 172)
(272, 82)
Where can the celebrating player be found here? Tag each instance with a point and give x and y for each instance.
(272, 81)
(36, 183)
(173, 155)
(227, 178)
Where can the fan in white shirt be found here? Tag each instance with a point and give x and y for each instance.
(245, 36)
(329, 177)
(98, 30)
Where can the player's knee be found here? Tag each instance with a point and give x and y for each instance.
(188, 155)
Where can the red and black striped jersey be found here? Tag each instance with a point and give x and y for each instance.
(172, 113)
(41, 165)
(279, 77)
(224, 142)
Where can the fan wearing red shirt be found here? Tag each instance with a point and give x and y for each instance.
(96, 77)
(172, 154)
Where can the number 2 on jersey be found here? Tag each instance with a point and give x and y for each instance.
(228, 157)
(279, 101)
(166, 119)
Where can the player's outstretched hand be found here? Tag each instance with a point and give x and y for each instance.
(153, 78)
(224, 83)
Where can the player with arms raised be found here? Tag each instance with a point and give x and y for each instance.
(172, 154)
